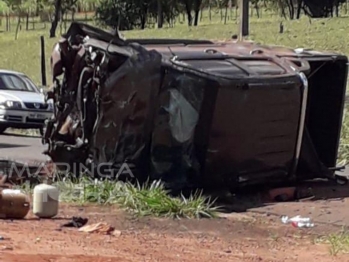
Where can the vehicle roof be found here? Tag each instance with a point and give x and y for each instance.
(6, 71)
(241, 48)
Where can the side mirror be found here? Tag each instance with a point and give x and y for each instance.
(41, 90)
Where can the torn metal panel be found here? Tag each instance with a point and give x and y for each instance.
(192, 112)
(125, 112)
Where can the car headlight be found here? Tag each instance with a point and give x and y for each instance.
(10, 105)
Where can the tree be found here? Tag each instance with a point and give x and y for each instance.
(124, 15)
(160, 14)
(197, 8)
(19, 7)
(189, 6)
(4, 10)
(131, 14)
(56, 17)
(312, 8)
(60, 8)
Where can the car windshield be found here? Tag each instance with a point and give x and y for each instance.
(16, 82)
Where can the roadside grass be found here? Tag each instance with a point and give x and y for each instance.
(149, 199)
(338, 242)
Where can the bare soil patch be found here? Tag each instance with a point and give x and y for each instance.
(235, 237)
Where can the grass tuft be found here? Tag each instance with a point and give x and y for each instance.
(149, 199)
(338, 242)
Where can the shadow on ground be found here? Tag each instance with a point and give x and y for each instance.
(258, 198)
(3, 145)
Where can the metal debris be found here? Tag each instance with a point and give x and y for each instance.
(100, 228)
(76, 222)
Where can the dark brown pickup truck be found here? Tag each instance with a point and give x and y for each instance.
(195, 112)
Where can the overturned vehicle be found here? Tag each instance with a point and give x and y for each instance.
(194, 113)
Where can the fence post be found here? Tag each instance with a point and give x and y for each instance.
(43, 64)
(244, 18)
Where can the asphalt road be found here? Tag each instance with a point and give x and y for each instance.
(21, 148)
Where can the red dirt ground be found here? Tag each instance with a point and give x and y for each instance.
(234, 237)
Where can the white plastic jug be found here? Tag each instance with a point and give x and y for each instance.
(45, 201)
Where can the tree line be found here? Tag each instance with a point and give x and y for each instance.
(138, 14)
(130, 14)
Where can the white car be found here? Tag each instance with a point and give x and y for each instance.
(22, 104)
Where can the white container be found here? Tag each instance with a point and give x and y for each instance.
(45, 201)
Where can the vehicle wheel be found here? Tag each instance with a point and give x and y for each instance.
(2, 129)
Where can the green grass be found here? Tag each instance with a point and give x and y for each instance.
(149, 199)
(338, 242)
(323, 34)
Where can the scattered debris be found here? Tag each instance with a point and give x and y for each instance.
(297, 221)
(13, 204)
(6, 248)
(101, 227)
(116, 233)
(76, 222)
(286, 219)
(301, 224)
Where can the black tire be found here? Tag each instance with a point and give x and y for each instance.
(2, 129)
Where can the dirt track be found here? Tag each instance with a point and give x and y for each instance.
(245, 237)
(254, 235)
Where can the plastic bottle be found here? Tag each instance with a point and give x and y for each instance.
(302, 224)
(286, 219)
(45, 201)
